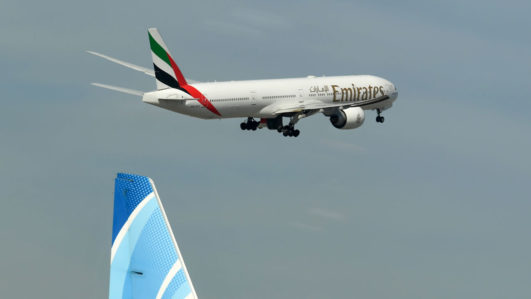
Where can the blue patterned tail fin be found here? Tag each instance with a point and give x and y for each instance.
(145, 259)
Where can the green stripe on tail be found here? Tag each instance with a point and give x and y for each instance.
(158, 50)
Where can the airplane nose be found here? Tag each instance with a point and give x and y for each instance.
(394, 94)
(393, 91)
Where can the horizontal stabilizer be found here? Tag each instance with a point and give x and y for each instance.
(120, 89)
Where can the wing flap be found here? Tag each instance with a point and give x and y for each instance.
(318, 105)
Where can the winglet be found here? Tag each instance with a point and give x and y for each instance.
(145, 259)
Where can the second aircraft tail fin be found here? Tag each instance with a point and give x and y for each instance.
(145, 259)
(167, 73)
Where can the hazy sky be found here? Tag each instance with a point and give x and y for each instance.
(435, 203)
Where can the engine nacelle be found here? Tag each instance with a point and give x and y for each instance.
(274, 123)
(350, 118)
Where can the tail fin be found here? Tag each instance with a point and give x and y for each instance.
(145, 259)
(167, 73)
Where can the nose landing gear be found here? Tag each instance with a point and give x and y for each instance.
(379, 118)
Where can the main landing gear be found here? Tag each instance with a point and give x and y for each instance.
(271, 124)
(379, 118)
(251, 124)
(289, 131)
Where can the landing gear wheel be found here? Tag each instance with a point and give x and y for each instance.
(289, 131)
(379, 118)
(250, 124)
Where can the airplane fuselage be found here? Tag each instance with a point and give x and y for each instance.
(343, 99)
(262, 98)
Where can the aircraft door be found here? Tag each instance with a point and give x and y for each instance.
(252, 97)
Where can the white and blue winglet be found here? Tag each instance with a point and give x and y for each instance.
(145, 259)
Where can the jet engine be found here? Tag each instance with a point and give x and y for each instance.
(274, 123)
(350, 118)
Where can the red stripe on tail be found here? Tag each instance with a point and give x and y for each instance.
(190, 89)
(177, 71)
(202, 99)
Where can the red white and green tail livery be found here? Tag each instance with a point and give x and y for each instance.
(167, 73)
(343, 99)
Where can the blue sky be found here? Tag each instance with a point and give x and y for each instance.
(432, 204)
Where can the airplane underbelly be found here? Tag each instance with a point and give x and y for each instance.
(190, 108)
(244, 110)
(382, 105)
(195, 109)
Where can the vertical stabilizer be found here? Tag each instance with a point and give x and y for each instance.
(145, 259)
(167, 73)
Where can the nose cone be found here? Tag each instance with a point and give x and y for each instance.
(393, 91)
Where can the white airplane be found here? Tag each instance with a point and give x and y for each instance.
(341, 98)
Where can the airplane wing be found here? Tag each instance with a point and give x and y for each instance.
(145, 259)
(145, 70)
(135, 67)
(318, 105)
(120, 89)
